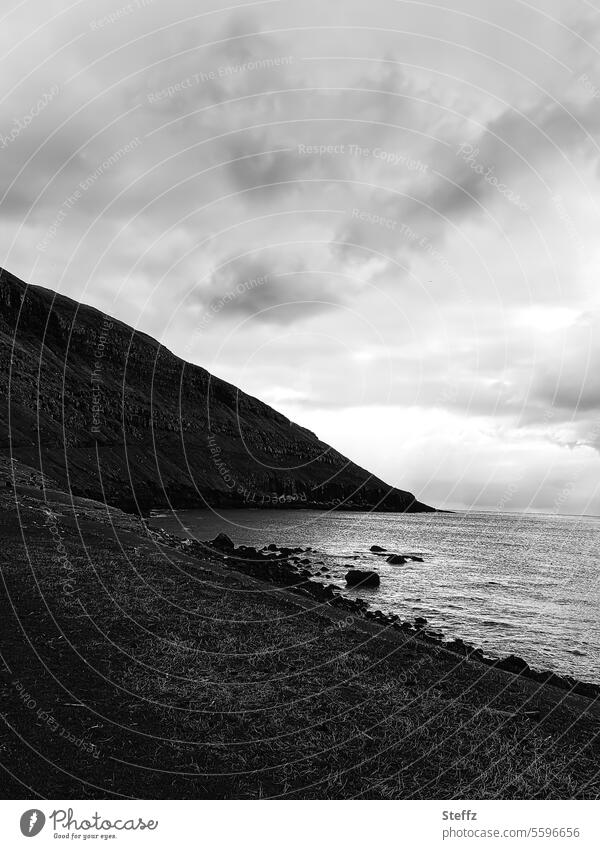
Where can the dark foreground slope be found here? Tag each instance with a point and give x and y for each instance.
(132, 670)
(111, 414)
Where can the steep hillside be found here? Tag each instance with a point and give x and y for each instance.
(112, 414)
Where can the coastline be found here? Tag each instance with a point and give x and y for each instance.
(272, 563)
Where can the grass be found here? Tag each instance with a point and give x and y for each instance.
(192, 680)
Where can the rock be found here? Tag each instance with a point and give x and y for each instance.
(533, 715)
(271, 547)
(414, 558)
(395, 559)
(514, 664)
(420, 621)
(222, 542)
(357, 577)
(305, 561)
(590, 690)
(456, 646)
(377, 548)
(247, 551)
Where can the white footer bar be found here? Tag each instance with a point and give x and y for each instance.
(302, 824)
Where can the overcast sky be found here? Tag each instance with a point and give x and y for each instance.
(381, 217)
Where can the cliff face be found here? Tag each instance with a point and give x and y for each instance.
(110, 413)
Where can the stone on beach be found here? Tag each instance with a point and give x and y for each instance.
(395, 559)
(515, 664)
(357, 577)
(223, 542)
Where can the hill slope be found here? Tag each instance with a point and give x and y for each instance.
(112, 414)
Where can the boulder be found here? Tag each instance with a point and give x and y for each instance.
(222, 542)
(420, 621)
(456, 646)
(247, 551)
(377, 548)
(584, 689)
(359, 578)
(395, 559)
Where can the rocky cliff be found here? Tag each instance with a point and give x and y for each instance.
(111, 414)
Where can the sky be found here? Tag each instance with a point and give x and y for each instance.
(380, 217)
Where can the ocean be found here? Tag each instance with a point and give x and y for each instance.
(525, 584)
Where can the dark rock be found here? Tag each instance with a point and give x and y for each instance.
(377, 548)
(420, 621)
(514, 664)
(271, 547)
(395, 559)
(456, 646)
(357, 577)
(222, 542)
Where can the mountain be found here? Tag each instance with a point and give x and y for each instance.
(109, 413)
